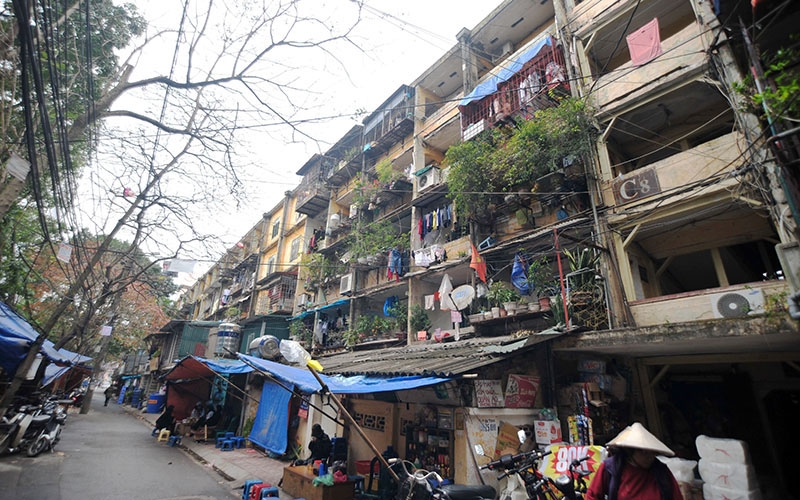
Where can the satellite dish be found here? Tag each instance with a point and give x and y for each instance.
(462, 296)
(266, 346)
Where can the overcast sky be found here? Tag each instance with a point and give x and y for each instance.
(396, 42)
(398, 47)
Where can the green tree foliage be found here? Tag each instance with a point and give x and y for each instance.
(500, 160)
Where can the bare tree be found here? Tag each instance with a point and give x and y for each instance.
(164, 144)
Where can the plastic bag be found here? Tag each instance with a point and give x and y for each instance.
(326, 480)
(519, 277)
(295, 353)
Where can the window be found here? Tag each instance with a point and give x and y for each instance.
(270, 265)
(276, 226)
(294, 251)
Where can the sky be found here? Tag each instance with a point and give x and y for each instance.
(400, 40)
(392, 45)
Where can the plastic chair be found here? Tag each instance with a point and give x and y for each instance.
(247, 485)
(163, 435)
(239, 441)
(174, 440)
(227, 445)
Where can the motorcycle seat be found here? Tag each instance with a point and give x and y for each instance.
(468, 492)
(41, 419)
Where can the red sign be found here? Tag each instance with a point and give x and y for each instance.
(521, 391)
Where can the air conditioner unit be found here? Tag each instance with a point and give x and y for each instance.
(737, 304)
(353, 210)
(302, 300)
(346, 284)
(429, 179)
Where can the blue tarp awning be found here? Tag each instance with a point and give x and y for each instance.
(195, 367)
(339, 384)
(489, 86)
(303, 314)
(16, 337)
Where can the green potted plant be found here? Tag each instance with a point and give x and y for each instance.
(420, 322)
(502, 296)
(583, 268)
(540, 281)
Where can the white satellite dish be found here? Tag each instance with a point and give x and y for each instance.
(462, 296)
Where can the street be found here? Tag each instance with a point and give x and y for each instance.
(107, 455)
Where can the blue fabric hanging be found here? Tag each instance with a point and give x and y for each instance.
(272, 418)
(519, 276)
(389, 305)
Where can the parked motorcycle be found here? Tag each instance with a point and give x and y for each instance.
(524, 481)
(419, 484)
(33, 428)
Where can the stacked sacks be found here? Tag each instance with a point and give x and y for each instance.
(683, 470)
(726, 469)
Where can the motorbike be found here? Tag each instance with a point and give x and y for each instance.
(524, 481)
(419, 484)
(33, 428)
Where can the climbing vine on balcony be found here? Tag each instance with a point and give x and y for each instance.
(503, 159)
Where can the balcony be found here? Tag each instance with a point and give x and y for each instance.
(683, 55)
(517, 91)
(709, 304)
(679, 170)
(312, 198)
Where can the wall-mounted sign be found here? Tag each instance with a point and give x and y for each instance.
(636, 186)
(488, 394)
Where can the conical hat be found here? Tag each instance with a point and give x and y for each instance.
(636, 436)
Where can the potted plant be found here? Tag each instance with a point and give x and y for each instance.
(420, 322)
(502, 296)
(581, 279)
(540, 279)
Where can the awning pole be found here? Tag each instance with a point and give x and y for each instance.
(353, 423)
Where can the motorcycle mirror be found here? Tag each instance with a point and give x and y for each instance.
(479, 450)
(522, 436)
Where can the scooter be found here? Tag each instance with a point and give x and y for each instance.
(418, 484)
(33, 428)
(523, 479)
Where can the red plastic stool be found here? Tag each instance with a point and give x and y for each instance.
(255, 490)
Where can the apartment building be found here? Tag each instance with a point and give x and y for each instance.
(663, 245)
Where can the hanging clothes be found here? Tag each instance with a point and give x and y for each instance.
(445, 301)
(644, 44)
(395, 265)
(429, 302)
(519, 274)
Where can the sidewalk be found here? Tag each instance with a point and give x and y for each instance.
(235, 467)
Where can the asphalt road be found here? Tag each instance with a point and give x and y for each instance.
(108, 455)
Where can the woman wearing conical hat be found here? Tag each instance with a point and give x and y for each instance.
(632, 471)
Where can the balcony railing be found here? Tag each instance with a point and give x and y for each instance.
(521, 95)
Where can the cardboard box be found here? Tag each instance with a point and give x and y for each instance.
(547, 431)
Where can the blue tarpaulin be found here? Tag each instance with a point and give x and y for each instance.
(16, 337)
(195, 367)
(270, 427)
(339, 384)
(489, 86)
(303, 314)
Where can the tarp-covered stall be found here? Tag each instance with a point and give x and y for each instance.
(270, 428)
(16, 337)
(192, 378)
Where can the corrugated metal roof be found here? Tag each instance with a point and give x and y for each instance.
(446, 359)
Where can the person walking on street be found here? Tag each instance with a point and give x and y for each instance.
(632, 471)
(109, 393)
